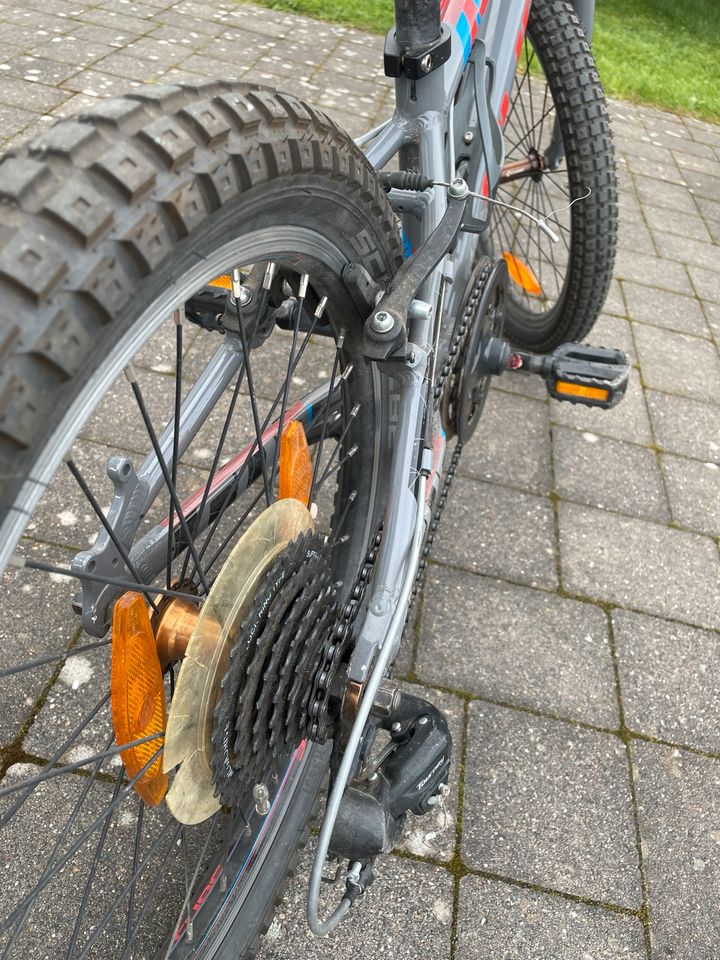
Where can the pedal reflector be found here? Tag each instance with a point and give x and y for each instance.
(296, 468)
(137, 696)
(521, 274)
(579, 390)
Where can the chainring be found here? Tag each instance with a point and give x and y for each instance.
(265, 698)
(482, 316)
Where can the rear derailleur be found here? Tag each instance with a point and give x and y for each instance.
(409, 774)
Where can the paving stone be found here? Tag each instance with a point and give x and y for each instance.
(408, 916)
(92, 83)
(35, 97)
(35, 620)
(13, 120)
(609, 474)
(498, 531)
(650, 270)
(712, 317)
(39, 70)
(694, 491)
(685, 426)
(628, 421)
(685, 250)
(690, 164)
(671, 195)
(683, 224)
(706, 282)
(678, 797)
(549, 804)
(68, 49)
(644, 149)
(613, 332)
(703, 184)
(659, 169)
(498, 921)
(710, 211)
(638, 564)
(663, 309)
(510, 444)
(635, 236)
(516, 645)
(669, 677)
(676, 363)
(614, 302)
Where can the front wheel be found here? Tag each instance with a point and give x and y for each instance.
(120, 230)
(558, 148)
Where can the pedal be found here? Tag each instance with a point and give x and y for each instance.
(593, 376)
(576, 372)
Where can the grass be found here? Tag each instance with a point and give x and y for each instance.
(661, 52)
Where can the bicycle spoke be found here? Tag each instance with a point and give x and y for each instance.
(56, 848)
(107, 916)
(317, 315)
(213, 470)
(91, 877)
(323, 429)
(251, 390)
(189, 887)
(136, 856)
(135, 386)
(69, 854)
(53, 658)
(78, 764)
(302, 290)
(30, 564)
(177, 318)
(23, 784)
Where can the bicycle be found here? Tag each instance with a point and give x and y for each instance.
(243, 602)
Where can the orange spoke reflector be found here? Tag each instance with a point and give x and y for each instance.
(137, 697)
(579, 390)
(223, 281)
(522, 275)
(295, 464)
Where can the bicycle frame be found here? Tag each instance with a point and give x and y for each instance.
(462, 102)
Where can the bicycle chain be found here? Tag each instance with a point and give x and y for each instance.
(277, 692)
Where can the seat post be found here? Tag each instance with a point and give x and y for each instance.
(417, 24)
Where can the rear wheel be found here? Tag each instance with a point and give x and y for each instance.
(115, 226)
(558, 148)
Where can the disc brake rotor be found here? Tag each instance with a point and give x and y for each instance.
(191, 797)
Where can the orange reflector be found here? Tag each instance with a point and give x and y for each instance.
(579, 390)
(137, 698)
(295, 464)
(522, 275)
(223, 281)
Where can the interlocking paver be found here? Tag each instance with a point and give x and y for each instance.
(676, 363)
(609, 474)
(664, 309)
(503, 922)
(613, 331)
(415, 919)
(519, 455)
(628, 421)
(653, 271)
(499, 531)
(685, 426)
(549, 804)
(706, 282)
(516, 645)
(694, 491)
(669, 679)
(679, 806)
(639, 564)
